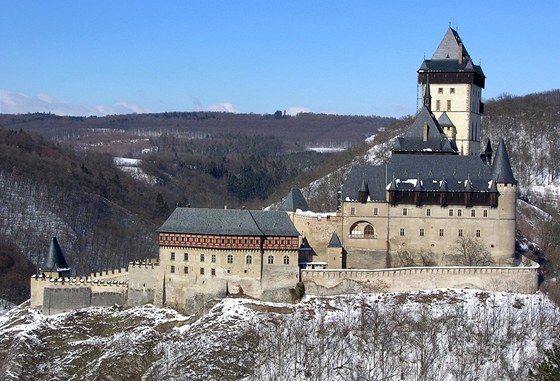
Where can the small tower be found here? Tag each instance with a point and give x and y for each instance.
(456, 84)
(55, 265)
(335, 253)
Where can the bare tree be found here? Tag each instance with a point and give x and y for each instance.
(469, 251)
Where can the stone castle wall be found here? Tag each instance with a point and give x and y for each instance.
(336, 282)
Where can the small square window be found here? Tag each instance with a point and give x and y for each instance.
(402, 232)
(405, 212)
(172, 269)
(213, 258)
(473, 213)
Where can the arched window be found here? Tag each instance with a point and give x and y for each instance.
(286, 260)
(249, 259)
(230, 259)
(355, 231)
(270, 259)
(369, 231)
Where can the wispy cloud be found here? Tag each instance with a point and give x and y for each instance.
(17, 103)
(294, 110)
(223, 107)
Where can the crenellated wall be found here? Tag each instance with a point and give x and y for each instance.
(522, 279)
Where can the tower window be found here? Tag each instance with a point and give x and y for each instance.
(473, 213)
(185, 256)
(185, 270)
(405, 212)
(438, 105)
(402, 232)
(459, 212)
(213, 258)
(485, 213)
(249, 259)
(172, 269)
(460, 233)
(441, 232)
(375, 211)
(202, 271)
(230, 259)
(213, 272)
(270, 260)
(428, 212)
(286, 260)
(477, 233)
(201, 257)
(440, 90)
(421, 232)
(172, 256)
(352, 211)
(449, 105)
(450, 212)
(452, 90)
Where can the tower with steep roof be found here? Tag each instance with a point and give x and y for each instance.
(55, 264)
(455, 84)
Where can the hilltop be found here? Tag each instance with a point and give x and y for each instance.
(408, 336)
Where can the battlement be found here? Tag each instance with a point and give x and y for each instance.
(522, 279)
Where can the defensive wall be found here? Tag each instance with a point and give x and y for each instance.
(99, 289)
(521, 279)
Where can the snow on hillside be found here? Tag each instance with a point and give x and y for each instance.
(428, 335)
(133, 168)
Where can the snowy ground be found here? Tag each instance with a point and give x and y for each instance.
(426, 335)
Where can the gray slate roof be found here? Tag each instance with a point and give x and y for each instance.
(444, 120)
(412, 140)
(404, 171)
(229, 222)
(501, 166)
(293, 201)
(55, 260)
(335, 241)
(446, 56)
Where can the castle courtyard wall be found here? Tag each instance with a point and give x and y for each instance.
(500, 279)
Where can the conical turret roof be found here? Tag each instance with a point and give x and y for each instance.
(335, 241)
(501, 167)
(55, 259)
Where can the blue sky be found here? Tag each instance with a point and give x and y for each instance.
(344, 57)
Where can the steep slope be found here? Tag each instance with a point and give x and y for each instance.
(442, 334)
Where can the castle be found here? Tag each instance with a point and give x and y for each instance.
(435, 191)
